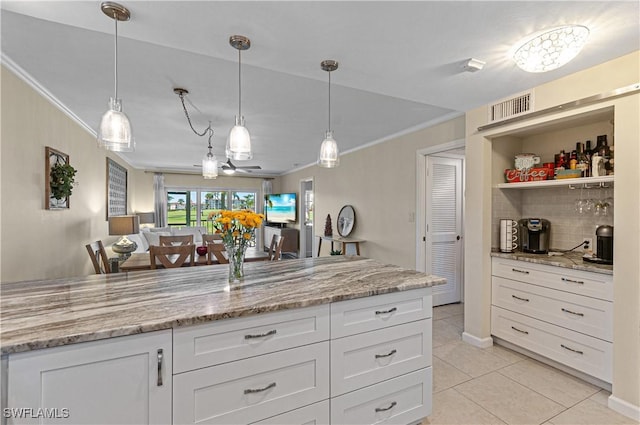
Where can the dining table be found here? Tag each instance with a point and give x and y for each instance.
(142, 260)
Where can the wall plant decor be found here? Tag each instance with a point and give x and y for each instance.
(116, 189)
(59, 179)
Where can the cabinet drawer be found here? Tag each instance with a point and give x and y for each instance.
(371, 357)
(400, 400)
(380, 311)
(581, 352)
(316, 414)
(595, 285)
(590, 316)
(252, 389)
(228, 340)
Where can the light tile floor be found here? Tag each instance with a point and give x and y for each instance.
(499, 386)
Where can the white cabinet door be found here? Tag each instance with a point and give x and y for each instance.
(112, 381)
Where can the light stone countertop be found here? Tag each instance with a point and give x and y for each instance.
(569, 260)
(49, 313)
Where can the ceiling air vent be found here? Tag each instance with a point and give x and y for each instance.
(511, 107)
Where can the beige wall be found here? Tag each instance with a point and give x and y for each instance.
(380, 183)
(609, 76)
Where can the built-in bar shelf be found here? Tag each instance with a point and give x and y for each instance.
(582, 182)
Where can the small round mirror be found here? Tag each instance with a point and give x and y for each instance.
(346, 220)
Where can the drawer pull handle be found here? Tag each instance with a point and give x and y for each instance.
(160, 360)
(272, 332)
(521, 299)
(520, 271)
(391, 310)
(572, 312)
(384, 409)
(391, 353)
(519, 330)
(571, 349)
(580, 282)
(259, 390)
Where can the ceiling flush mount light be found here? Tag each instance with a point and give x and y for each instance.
(551, 49)
(329, 154)
(209, 162)
(239, 140)
(115, 129)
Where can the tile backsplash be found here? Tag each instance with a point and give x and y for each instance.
(559, 206)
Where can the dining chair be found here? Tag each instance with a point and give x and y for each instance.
(176, 240)
(97, 253)
(215, 237)
(172, 256)
(216, 249)
(275, 249)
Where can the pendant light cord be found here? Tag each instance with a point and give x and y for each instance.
(115, 73)
(186, 114)
(329, 100)
(239, 84)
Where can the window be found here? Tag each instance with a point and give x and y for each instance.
(191, 207)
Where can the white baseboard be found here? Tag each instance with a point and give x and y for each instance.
(477, 342)
(624, 408)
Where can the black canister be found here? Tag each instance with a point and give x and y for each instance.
(604, 243)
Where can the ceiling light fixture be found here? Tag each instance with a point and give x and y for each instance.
(115, 129)
(239, 140)
(209, 162)
(329, 154)
(550, 49)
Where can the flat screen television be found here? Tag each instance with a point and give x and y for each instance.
(281, 208)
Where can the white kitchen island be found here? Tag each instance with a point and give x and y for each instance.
(325, 340)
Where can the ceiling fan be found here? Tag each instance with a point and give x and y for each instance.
(230, 168)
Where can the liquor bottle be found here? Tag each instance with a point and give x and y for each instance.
(573, 160)
(603, 150)
(610, 169)
(583, 160)
(588, 152)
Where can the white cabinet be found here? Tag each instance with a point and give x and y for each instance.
(125, 380)
(565, 315)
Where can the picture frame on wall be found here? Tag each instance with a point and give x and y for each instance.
(116, 189)
(53, 157)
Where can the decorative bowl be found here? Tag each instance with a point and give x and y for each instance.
(201, 250)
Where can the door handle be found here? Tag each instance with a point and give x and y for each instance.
(458, 237)
(160, 361)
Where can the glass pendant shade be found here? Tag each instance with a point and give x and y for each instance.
(209, 166)
(551, 49)
(115, 129)
(239, 141)
(329, 155)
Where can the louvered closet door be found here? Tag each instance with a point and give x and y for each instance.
(444, 227)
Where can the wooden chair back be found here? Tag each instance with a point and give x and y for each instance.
(216, 249)
(98, 254)
(172, 256)
(216, 237)
(176, 240)
(275, 249)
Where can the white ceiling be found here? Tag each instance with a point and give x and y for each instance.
(400, 66)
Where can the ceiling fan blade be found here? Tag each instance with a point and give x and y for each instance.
(248, 167)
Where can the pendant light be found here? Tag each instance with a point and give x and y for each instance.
(239, 140)
(329, 154)
(115, 129)
(209, 162)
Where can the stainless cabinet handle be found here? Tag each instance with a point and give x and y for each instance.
(564, 279)
(520, 271)
(521, 299)
(571, 349)
(384, 409)
(572, 312)
(391, 310)
(259, 390)
(519, 330)
(272, 332)
(391, 353)
(160, 360)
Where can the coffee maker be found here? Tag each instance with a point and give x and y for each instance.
(534, 234)
(604, 246)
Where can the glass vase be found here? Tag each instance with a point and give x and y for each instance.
(236, 262)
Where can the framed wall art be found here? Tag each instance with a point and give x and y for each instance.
(116, 189)
(59, 179)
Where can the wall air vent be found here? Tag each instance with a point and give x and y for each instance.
(511, 107)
